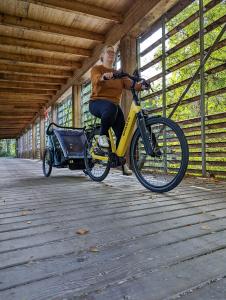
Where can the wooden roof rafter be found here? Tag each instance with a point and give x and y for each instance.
(133, 17)
(37, 26)
(18, 59)
(34, 45)
(31, 79)
(76, 6)
(47, 45)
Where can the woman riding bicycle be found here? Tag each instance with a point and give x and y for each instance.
(106, 96)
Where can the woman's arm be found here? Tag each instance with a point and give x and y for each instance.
(97, 77)
(127, 83)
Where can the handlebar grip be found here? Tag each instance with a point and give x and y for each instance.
(146, 85)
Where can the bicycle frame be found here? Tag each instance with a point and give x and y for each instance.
(126, 134)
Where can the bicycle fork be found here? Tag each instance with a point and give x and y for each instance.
(148, 137)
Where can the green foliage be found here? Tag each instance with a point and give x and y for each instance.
(64, 112)
(213, 82)
(87, 118)
(7, 148)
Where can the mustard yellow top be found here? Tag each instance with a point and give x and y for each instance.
(108, 89)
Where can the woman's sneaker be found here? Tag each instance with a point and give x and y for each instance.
(103, 141)
(126, 170)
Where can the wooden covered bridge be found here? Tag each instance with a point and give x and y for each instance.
(67, 237)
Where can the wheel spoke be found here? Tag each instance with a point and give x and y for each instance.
(47, 162)
(166, 168)
(96, 169)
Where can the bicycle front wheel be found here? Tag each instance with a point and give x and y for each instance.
(165, 169)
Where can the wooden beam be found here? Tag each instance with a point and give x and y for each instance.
(185, 42)
(128, 54)
(177, 28)
(11, 135)
(13, 122)
(36, 79)
(136, 13)
(27, 91)
(15, 126)
(34, 71)
(19, 115)
(13, 96)
(12, 130)
(75, 6)
(43, 48)
(153, 17)
(23, 85)
(76, 105)
(187, 61)
(43, 62)
(33, 140)
(13, 106)
(24, 103)
(7, 131)
(36, 26)
(10, 109)
(185, 82)
(23, 118)
(78, 7)
(42, 136)
(54, 113)
(23, 64)
(6, 106)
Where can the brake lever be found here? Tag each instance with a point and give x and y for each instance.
(147, 85)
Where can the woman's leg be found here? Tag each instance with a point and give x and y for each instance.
(119, 125)
(106, 111)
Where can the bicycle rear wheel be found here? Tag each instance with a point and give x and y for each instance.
(166, 168)
(96, 169)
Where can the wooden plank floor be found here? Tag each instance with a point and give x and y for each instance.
(140, 245)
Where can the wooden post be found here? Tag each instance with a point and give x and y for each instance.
(76, 105)
(25, 145)
(54, 113)
(128, 53)
(33, 141)
(17, 148)
(42, 136)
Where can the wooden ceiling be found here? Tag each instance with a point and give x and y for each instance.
(47, 45)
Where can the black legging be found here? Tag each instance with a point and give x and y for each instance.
(110, 114)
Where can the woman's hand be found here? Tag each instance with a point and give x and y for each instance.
(107, 76)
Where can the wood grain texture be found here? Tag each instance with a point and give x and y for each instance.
(149, 246)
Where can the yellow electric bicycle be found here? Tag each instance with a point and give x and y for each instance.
(158, 150)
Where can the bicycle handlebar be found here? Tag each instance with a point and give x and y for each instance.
(135, 79)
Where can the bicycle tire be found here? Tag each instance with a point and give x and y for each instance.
(156, 186)
(49, 161)
(90, 163)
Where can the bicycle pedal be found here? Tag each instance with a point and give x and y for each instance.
(99, 151)
(158, 152)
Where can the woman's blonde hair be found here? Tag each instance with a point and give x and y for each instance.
(104, 50)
